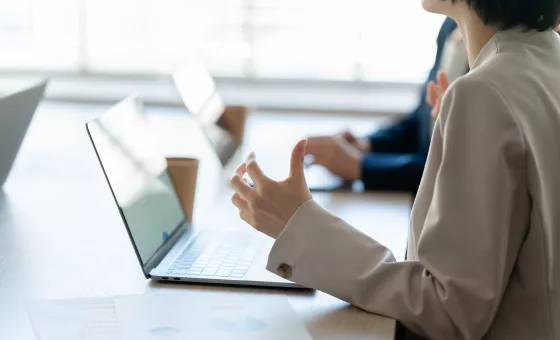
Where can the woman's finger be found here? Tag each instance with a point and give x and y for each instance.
(256, 173)
(241, 187)
(241, 170)
(239, 202)
(251, 156)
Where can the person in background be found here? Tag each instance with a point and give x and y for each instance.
(484, 246)
(394, 158)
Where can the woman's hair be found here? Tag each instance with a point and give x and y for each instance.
(540, 15)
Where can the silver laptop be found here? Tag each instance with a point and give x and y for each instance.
(198, 91)
(16, 111)
(167, 246)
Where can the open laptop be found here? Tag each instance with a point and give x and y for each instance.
(167, 246)
(198, 91)
(16, 112)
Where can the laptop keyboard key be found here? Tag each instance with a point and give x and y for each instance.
(223, 273)
(198, 266)
(209, 272)
(231, 257)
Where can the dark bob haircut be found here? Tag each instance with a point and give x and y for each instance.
(539, 15)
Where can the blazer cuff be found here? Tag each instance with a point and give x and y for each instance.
(288, 250)
(319, 250)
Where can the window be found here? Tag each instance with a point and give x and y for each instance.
(348, 40)
(40, 35)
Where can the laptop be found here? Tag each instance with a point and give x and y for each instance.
(168, 248)
(198, 92)
(16, 111)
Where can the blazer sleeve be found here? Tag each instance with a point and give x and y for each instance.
(468, 244)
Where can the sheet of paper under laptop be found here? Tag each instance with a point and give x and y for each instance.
(188, 315)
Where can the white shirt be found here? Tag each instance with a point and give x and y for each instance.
(484, 248)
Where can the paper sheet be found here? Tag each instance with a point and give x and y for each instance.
(168, 316)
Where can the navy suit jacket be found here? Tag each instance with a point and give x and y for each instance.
(401, 150)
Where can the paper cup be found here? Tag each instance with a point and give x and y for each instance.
(234, 120)
(184, 172)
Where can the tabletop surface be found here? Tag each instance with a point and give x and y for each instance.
(59, 224)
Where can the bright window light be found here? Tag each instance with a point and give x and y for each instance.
(345, 40)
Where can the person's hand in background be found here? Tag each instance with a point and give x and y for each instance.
(338, 155)
(436, 91)
(362, 144)
(269, 205)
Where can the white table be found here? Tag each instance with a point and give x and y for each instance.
(58, 219)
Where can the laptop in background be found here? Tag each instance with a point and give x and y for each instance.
(167, 246)
(198, 91)
(16, 112)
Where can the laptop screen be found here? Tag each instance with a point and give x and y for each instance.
(198, 91)
(138, 177)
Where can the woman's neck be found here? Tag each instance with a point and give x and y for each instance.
(475, 34)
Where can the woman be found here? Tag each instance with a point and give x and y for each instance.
(484, 249)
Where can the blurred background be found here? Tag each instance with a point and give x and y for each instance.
(286, 54)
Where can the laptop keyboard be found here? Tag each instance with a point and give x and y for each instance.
(228, 258)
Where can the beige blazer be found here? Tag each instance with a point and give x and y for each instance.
(484, 248)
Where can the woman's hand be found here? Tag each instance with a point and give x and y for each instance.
(338, 155)
(436, 93)
(269, 205)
